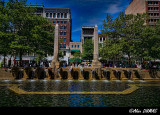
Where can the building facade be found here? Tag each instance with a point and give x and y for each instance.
(62, 17)
(87, 32)
(151, 7)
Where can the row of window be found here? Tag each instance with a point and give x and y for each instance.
(102, 39)
(153, 20)
(63, 33)
(153, 2)
(63, 40)
(153, 8)
(153, 14)
(75, 46)
(56, 15)
(60, 22)
(63, 27)
(62, 45)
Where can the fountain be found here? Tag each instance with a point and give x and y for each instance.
(106, 75)
(94, 82)
(96, 72)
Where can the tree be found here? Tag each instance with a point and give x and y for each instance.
(5, 34)
(76, 56)
(150, 43)
(111, 50)
(42, 40)
(31, 32)
(87, 53)
(125, 32)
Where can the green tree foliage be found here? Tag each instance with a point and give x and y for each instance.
(110, 50)
(5, 34)
(150, 42)
(76, 56)
(25, 31)
(42, 40)
(87, 53)
(131, 37)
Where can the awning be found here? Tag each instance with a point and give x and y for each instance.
(72, 60)
(75, 50)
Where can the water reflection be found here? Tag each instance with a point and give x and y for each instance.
(107, 81)
(142, 81)
(6, 81)
(87, 101)
(141, 97)
(130, 81)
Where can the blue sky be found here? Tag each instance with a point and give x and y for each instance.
(86, 12)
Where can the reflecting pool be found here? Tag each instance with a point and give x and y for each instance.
(72, 93)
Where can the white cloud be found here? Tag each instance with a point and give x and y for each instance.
(114, 8)
(77, 29)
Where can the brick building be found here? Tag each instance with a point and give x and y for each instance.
(151, 7)
(61, 16)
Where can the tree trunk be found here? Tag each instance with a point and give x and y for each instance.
(129, 60)
(4, 61)
(20, 58)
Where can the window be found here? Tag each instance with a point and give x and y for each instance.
(72, 46)
(150, 8)
(57, 22)
(65, 15)
(58, 15)
(64, 39)
(61, 22)
(75, 46)
(61, 27)
(61, 33)
(150, 20)
(47, 15)
(100, 39)
(50, 15)
(65, 33)
(149, 2)
(156, 20)
(65, 22)
(54, 22)
(78, 46)
(156, 14)
(60, 45)
(156, 2)
(64, 45)
(65, 27)
(150, 14)
(54, 15)
(156, 8)
(61, 15)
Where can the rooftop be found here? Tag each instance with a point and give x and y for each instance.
(87, 26)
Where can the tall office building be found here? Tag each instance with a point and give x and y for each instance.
(62, 17)
(151, 7)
